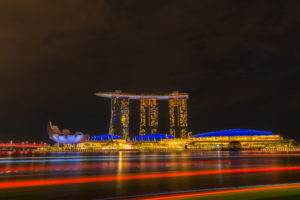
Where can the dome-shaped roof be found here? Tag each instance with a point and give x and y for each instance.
(152, 137)
(234, 132)
(105, 137)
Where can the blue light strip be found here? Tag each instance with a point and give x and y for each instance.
(234, 132)
(106, 137)
(152, 137)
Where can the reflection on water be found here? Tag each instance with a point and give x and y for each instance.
(116, 174)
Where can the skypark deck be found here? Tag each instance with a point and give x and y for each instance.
(118, 93)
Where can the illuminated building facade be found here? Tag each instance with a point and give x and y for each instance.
(64, 136)
(148, 116)
(235, 139)
(119, 123)
(178, 117)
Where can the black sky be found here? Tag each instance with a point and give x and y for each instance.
(238, 60)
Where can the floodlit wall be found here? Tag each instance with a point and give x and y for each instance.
(246, 142)
(240, 138)
(119, 122)
(178, 117)
(148, 116)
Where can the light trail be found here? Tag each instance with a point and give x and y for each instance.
(80, 159)
(220, 191)
(139, 196)
(106, 165)
(133, 158)
(274, 154)
(97, 156)
(61, 181)
(102, 158)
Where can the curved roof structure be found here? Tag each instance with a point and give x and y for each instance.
(234, 132)
(152, 137)
(64, 136)
(106, 137)
(119, 93)
(68, 139)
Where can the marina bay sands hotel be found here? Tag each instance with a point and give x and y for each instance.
(119, 121)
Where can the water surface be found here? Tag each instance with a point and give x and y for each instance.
(118, 175)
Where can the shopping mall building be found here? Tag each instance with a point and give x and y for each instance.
(235, 139)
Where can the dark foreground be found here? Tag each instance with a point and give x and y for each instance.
(178, 175)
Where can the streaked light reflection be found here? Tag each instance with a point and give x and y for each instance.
(60, 181)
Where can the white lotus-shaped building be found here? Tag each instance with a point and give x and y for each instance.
(65, 136)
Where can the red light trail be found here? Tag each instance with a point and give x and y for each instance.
(273, 154)
(197, 194)
(60, 181)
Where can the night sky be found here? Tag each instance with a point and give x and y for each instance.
(238, 60)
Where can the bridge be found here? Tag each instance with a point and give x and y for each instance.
(23, 145)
